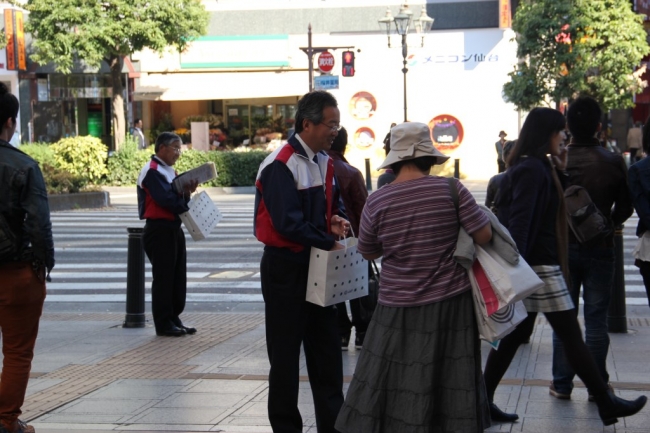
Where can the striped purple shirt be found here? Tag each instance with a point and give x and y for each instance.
(414, 223)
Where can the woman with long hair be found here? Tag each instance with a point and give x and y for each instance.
(531, 206)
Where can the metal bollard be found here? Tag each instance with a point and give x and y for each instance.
(135, 280)
(616, 316)
(368, 178)
(457, 168)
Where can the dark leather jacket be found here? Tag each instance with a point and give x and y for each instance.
(352, 187)
(639, 177)
(23, 204)
(604, 175)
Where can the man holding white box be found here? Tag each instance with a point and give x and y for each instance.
(164, 240)
(296, 209)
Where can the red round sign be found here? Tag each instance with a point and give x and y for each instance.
(325, 62)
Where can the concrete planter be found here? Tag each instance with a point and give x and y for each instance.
(82, 200)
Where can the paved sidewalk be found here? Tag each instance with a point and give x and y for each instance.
(92, 375)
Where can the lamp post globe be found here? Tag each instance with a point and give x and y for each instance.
(402, 23)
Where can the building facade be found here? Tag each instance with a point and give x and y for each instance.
(252, 65)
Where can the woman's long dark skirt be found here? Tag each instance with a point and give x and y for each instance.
(419, 372)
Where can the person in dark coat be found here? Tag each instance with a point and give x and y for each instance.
(531, 206)
(354, 195)
(495, 181)
(604, 175)
(26, 255)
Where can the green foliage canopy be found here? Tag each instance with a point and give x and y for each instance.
(576, 47)
(68, 31)
(92, 30)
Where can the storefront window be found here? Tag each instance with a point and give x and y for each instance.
(288, 113)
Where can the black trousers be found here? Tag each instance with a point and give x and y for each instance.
(290, 322)
(566, 327)
(165, 247)
(644, 268)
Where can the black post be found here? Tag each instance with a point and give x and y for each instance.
(310, 55)
(616, 316)
(135, 280)
(368, 178)
(457, 168)
(404, 71)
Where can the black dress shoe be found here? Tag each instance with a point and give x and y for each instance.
(171, 331)
(498, 415)
(190, 330)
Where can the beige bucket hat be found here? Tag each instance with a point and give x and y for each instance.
(411, 140)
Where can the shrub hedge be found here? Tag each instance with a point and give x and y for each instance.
(233, 168)
(81, 156)
(73, 164)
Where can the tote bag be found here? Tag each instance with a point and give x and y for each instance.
(493, 325)
(202, 217)
(510, 283)
(336, 276)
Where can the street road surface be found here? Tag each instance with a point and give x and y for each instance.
(223, 270)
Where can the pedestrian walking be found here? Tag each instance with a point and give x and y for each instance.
(163, 238)
(353, 194)
(639, 177)
(420, 369)
(501, 162)
(387, 176)
(604, 175)
(296, 209)
(495, 181)
(26, 256)
(531, 207)
(635, 142)
(138, 134)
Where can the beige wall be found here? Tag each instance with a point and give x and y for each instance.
(182, 109)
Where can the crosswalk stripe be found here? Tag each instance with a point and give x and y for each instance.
(191, 297)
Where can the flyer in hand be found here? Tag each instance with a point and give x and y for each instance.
(201, 174)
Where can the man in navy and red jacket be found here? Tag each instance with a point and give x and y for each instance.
(296, 209)
(164, 240)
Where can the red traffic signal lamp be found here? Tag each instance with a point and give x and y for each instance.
(347, 68)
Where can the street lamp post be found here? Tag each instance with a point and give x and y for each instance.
(402, 23)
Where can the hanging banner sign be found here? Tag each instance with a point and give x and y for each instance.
(505, 14)
(9, 35)
(20, 41)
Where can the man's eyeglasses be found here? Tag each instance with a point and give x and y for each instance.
(175, 149)
(333, 128)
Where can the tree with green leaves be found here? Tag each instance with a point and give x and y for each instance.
(96, 31)
(577, 47)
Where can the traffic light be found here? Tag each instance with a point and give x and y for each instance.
(347, 67)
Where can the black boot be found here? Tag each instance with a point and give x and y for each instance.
(610, 407)
(498, 415)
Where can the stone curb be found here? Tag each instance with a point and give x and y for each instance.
(82, 200)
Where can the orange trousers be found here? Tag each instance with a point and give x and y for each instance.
(22, 293)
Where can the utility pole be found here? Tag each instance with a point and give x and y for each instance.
(310, 51)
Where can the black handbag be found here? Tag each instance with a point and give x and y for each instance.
(367, 304)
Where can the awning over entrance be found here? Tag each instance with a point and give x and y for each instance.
(214, 85)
